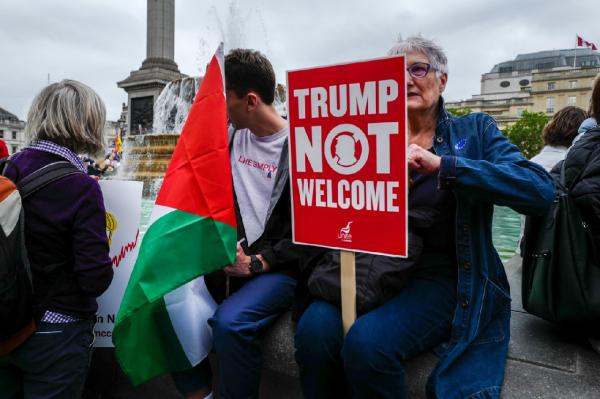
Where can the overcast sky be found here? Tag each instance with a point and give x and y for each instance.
(100, 41)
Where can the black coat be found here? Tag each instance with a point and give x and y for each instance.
(274, 244)
(582, 174)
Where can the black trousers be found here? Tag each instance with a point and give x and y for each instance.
(52, 363)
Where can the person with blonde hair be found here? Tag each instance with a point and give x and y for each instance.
(66, 242)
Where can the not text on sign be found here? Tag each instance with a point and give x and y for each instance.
(347, 165)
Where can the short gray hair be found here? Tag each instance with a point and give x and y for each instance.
(69, 114)
(418, 44)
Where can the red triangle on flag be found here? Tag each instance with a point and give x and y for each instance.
(198, 178)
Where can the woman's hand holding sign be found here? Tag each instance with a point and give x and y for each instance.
(422, 161)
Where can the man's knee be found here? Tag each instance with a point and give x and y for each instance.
(226, 324)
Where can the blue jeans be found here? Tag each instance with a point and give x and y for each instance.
(236, 325)
(52, 363)
(368, 362)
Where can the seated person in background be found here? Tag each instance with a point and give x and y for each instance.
(558, 134)
(582, 174)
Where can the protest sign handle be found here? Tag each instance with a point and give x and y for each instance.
(348, 284)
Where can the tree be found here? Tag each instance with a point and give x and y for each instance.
(459, 111)
(526, 133)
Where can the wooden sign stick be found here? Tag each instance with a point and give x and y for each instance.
(348, 286)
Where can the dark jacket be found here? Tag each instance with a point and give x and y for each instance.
(378, 277)
(65, 235)
(582, 171)
(275, 244)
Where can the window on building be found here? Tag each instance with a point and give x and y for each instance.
(1, 134)
(520, 112)
(551, 85)
(573, 84)
(549, 105)
(572, 100)
(14, 149)
(14, 135)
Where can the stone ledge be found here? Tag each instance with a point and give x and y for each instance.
(543, 362)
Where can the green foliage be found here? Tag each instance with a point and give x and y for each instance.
(459, 111)
(526, 133)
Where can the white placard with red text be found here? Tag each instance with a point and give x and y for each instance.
(348, 173)
(123, 201)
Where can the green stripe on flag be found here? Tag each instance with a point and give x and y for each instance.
(177, 248)
(147, 345)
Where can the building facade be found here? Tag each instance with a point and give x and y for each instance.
(556, 89)
(545, 81)
(12, 131)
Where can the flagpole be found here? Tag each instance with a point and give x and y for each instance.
(348, 288)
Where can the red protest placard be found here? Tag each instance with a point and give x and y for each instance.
(348, 172)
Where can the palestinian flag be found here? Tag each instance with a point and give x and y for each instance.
(161, 324)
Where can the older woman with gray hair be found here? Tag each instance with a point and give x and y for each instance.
(67, 247)
(457, 299)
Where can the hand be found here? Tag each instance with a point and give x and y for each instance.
(241, 265)
(421, 160)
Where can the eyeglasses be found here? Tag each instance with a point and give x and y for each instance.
(419, 70)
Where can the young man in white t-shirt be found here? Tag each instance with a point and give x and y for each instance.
(262, 280)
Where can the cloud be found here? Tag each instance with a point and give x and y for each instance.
(100, 41)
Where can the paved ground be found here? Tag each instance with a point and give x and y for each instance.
(543, 363)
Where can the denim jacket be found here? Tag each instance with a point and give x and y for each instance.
(482, 169)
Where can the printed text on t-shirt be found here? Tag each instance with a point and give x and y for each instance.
(264, 166)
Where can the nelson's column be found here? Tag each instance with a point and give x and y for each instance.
(158, 69)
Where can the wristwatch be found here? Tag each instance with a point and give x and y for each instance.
(256, 265)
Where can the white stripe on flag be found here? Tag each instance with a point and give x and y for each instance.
(159, 211)
(189, 307)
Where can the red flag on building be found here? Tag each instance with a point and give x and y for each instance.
(582, 43)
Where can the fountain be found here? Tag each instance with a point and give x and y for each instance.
(146, 157)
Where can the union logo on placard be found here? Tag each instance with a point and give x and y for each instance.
(344, 233)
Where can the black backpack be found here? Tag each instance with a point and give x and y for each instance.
(17, 313)
(561, 272)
